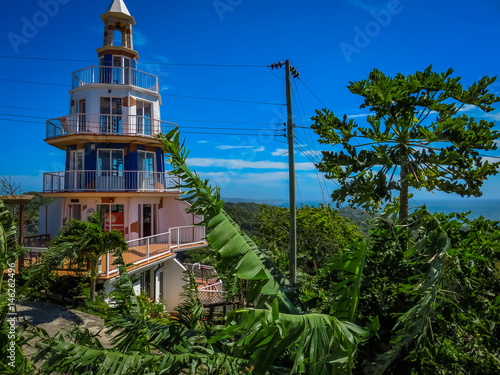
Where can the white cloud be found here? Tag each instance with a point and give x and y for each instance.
(231, 147)
(490, 159)
(494, 116)
(280, 152)
(362, 115)
(311, 153)
(246, 177)
(164, 88)
(242, 164)
(203, 141)
(467, 107)
(227, 147)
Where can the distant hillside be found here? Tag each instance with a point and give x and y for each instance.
(359, 217)
(245, 215)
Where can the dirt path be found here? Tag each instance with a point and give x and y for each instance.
(57, 319)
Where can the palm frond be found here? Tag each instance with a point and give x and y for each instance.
(321, 344)
(190, 309)
(235, 250)
(8, 241)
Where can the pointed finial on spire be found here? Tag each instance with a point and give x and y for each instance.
(118, 8)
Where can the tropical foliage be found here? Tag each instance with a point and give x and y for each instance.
(272, 339)
(11, 335)
(86, 240)
(321, 233)
(429, 296)
(419, 130)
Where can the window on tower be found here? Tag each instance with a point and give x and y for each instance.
(111, 115)
(144, 112)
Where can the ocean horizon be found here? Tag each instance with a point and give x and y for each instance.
(488, 208)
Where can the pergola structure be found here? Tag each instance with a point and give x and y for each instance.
(21, 201)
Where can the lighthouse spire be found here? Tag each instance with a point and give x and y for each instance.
(118, 6)
(117, 18)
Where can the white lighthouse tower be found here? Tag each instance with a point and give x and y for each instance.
(115, 165)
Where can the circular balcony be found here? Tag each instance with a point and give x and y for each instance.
(106, 75)
(67, 130)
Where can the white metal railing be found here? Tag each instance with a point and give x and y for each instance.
(146, 249)
(92, 123)
(116, 76)
(114, 180)
(201, 271)
(215, 287)
(188, 235)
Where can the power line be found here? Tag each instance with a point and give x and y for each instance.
(34, 83)
(307, 87)
(31, 109)
(186, 120)
(250, 135)
(223, 122)
(16, 115)
(181, 131)
(222, 99)
(143, 63)
(188, 127)
(43, 59)
(175, 95)
(320, 177)
(13, 120)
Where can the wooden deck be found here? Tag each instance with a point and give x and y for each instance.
(137, 256)
(140, 256)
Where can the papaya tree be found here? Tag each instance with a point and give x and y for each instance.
(418, 136)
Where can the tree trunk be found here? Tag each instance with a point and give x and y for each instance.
(403, 195)
(92, 290)
(93, 279)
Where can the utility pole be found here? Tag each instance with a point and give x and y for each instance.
(291, 177)
(289, 72)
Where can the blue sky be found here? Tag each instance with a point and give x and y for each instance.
(329, 42)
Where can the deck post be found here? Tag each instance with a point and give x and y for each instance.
(147, 248)
(107, 264)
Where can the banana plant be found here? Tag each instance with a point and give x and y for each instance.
(275, 337)
(234, 249)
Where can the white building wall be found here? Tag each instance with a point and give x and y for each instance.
(173, 214)
(51, 218)
(173, 283)
(172, 279)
